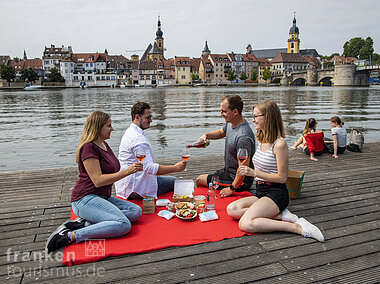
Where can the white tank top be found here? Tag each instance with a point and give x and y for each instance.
(265, 161)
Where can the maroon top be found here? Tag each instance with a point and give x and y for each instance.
(108, 164)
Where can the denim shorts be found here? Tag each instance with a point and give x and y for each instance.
(275, 191)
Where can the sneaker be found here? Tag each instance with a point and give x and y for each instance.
(287, 216)
(58, 239)
(76, 224)
(309, 230)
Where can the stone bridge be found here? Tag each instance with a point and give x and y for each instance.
(341, 75)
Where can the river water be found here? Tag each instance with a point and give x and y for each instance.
(41, 129)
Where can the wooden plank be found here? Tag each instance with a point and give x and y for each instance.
(341, 196)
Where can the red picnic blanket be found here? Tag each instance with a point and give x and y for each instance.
(152, 232)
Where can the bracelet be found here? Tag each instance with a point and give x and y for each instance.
(232, 187)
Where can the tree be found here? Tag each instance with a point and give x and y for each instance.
(28, 75)
(253, 75)
(231, 76)
(243, 76)
(7, 72)
(194, 77)
(266, 74)
(359, 48)
(55, 76)
(375, 60)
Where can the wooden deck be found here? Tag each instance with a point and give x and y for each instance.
(340, 196)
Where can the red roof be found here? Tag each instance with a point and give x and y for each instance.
(250, 57)
(289, 58)
(89, 57)
(182, 61)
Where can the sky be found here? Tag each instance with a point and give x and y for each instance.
(124, 26)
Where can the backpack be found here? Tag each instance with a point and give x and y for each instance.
(356, 141)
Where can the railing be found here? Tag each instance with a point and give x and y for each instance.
(367, 67)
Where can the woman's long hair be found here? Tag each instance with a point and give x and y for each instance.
(92, 126)
(336, 119)
(273, 126)
(311, 124)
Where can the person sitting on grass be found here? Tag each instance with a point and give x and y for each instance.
(100, 214)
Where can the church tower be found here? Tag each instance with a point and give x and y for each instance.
(159, 38)
(206, 51)
(294, 39)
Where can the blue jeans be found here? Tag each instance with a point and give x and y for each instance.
(165, 184)
(109, 216)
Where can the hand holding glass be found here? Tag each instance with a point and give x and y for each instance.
(185, 155)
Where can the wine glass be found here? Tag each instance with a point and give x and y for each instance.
(185, 155)
(242, 156)
(215, 184)
(140, 155)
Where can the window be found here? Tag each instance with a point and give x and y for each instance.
(183, 76)
(75, 78)
(183, 68)
(90, 78)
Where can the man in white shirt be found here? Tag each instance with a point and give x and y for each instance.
(149, 181)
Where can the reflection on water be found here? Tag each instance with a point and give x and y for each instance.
(41, 129)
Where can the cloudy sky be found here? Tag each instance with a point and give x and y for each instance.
(125, 25)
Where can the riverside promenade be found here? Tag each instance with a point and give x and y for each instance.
(340, 196)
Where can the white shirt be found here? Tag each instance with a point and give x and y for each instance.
(145, 182)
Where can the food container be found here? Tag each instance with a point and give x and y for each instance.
(149, 205)
(183, 190)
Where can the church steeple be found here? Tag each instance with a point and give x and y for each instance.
(206, 51)
(25, 57)
(294, 40)
(159, 38)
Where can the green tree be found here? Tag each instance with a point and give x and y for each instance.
(266, 74)
(253, 75)
(7, 72)
(359, 48)
(55, 76)
(243, 76)
(231, 76)
(194, 77)
(28, 75)
(375, 60)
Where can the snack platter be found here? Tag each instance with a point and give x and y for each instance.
(186, 214)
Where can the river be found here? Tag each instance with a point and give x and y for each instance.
(41, 129)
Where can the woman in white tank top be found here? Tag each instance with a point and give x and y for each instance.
(266, 211)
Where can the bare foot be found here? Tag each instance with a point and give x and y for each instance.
(293, 148)
(314, 159)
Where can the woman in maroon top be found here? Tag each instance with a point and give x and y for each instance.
(100, 215)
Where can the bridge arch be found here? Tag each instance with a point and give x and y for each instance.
(325, 81)
(299, 82)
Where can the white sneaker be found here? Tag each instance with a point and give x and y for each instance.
(287, 216)
(309, 230)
